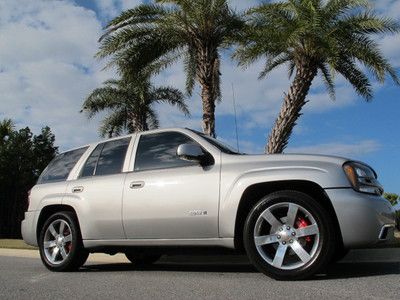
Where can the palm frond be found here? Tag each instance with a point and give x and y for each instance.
(367, 23)
(101, 99)
(171, 96)
(327, 77)
(274, 62)
(367, 51)
(144, 13)
(113, 124)
(338, 7)
(356, 77)
(152, 119)
(189, 64)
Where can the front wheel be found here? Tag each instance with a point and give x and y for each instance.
(60, 243)
(288, 235)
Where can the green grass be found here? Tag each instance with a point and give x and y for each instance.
(15, 244)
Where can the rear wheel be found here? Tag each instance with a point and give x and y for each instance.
(142, 259)
(288, 235)
(60, 243)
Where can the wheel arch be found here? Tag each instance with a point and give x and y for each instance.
(253, 193)
(49, 210)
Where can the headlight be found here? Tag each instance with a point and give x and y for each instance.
(362, 178)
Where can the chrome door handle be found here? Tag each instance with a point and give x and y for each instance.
(77, 189)
(136, 184)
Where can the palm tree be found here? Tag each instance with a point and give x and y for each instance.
(159, 34)
(312, 36)
(129, 103)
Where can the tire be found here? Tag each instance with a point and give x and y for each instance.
(62, 252)
(142, 259)
(285, 250)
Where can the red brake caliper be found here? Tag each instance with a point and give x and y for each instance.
(300, 223)
(69, 244)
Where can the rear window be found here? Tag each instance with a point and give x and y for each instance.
(60, 167)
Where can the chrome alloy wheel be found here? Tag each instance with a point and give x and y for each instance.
(286, 236)
(57, 241)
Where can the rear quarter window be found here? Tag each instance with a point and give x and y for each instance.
(60, 167)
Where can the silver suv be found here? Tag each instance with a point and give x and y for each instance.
(177, 190)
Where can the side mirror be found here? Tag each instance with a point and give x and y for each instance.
(193, 152)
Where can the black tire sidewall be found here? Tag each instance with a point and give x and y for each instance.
(77, 255)
(326, 239)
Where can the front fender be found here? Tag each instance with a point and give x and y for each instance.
(323, 177)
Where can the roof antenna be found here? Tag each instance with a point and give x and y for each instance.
(234, 109)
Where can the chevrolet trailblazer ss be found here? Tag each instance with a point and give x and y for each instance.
(161, 191)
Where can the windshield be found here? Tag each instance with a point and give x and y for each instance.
(220, 145)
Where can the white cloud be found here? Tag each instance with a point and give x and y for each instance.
(107, 8)
(353, 149)
(387, 7)
(47, 66)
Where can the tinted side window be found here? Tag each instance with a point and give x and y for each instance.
(158, 151)
(112, 157)
(90, 164)
(60, 167)
(107, 158)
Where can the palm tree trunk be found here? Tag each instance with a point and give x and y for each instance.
(291, 108)
(208, 111)
(208, 77)
(144, 124)
(139, 122)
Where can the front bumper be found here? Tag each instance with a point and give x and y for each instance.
(365, 220)
(28, 228)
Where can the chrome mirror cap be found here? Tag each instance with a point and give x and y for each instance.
(190, 152)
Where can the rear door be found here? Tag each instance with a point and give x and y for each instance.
(98, 190)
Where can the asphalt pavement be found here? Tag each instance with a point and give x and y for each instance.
(364, 274)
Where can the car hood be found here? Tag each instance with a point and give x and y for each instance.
(291, 158)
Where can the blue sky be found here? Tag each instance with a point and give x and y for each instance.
(47, 68)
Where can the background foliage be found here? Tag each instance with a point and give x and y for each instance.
(393, 198)
(23, 156)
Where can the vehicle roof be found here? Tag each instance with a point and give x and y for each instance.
(128, 135)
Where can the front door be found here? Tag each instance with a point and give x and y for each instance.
(169, 198)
